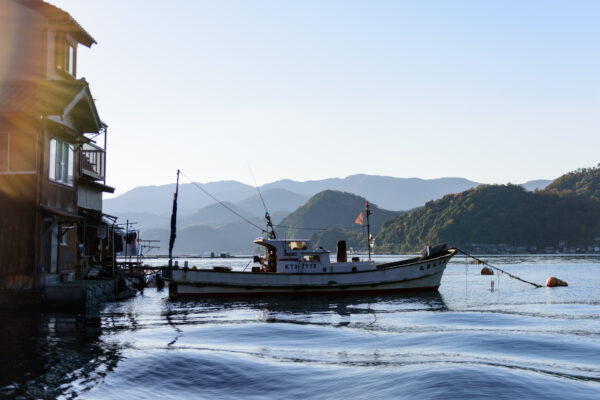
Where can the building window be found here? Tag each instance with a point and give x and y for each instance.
(66, 55)
(70, 59)
(17, 153)
(61, 162)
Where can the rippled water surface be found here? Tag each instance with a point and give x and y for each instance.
(464, 342)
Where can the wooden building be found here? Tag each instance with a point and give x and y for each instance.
(52, 148)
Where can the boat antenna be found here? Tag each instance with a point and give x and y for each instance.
(173, 222)
(369, 238)
(270, 234)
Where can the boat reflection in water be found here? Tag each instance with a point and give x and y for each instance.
(301, 309)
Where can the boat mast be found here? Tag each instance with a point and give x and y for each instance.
(270, 235)
(173, 222)
(368, 212)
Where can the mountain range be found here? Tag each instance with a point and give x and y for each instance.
(233, 237)
(205, 225)
(150, 203)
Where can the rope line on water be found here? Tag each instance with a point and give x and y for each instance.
(497, 269)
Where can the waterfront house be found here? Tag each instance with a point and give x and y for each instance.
(52, 148)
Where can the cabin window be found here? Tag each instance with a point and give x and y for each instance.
(312, 257)
(61, 162)
(17, 153)
(297, 245)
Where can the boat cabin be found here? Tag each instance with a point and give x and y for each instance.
(299, 256)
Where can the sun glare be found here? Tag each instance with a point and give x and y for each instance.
(21, 40)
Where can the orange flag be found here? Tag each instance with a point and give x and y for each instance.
(359, 219)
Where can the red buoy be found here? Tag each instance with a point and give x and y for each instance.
(552, 282)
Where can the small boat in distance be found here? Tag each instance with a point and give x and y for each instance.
(294, 267)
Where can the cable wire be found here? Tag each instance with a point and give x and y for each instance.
(257, 189)
(223, 204)
(315, 229)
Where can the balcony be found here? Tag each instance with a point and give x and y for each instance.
(93, 161)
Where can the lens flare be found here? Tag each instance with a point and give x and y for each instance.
(23, 43)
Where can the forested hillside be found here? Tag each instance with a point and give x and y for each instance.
(584, 181)
(331, 209)
(496, 214)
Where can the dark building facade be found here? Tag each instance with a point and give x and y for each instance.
(52, 149)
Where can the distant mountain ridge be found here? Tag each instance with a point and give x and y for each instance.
(538, 184)
(333, 209)
(281, 198)
(276, 199)
(388, 192)
(215, 214)
(158, 200)
(329, 216)
(501, 215)
(233, 237)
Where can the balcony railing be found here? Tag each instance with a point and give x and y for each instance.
(93, 161)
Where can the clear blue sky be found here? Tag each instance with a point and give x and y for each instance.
(494, 91)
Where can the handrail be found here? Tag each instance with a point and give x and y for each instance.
(93, 161)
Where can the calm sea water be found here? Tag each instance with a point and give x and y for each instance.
(463, 342)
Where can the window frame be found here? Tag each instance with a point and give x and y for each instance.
(65, 55)
(295, 245)
(61, 171)
(70, 58)
(7, 169)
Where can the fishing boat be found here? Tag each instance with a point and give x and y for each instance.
(294, 267)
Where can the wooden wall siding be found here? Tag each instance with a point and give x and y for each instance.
(18, 198)
(89, 197)
(17, 231)
(67, 254)
(59, 196)
(17, 188)
(18, 204)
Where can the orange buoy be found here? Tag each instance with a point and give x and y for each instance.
(552, 282)
(486, 271)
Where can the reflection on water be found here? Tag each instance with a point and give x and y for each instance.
(43, 353)
(465, 341)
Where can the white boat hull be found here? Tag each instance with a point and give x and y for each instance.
(418, 275)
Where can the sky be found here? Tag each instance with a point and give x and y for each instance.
(493, 91)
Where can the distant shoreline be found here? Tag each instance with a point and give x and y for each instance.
(154, 257)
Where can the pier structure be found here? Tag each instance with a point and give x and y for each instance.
(52, 160)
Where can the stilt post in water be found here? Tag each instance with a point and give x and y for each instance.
(173, 222)
(369, 239)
